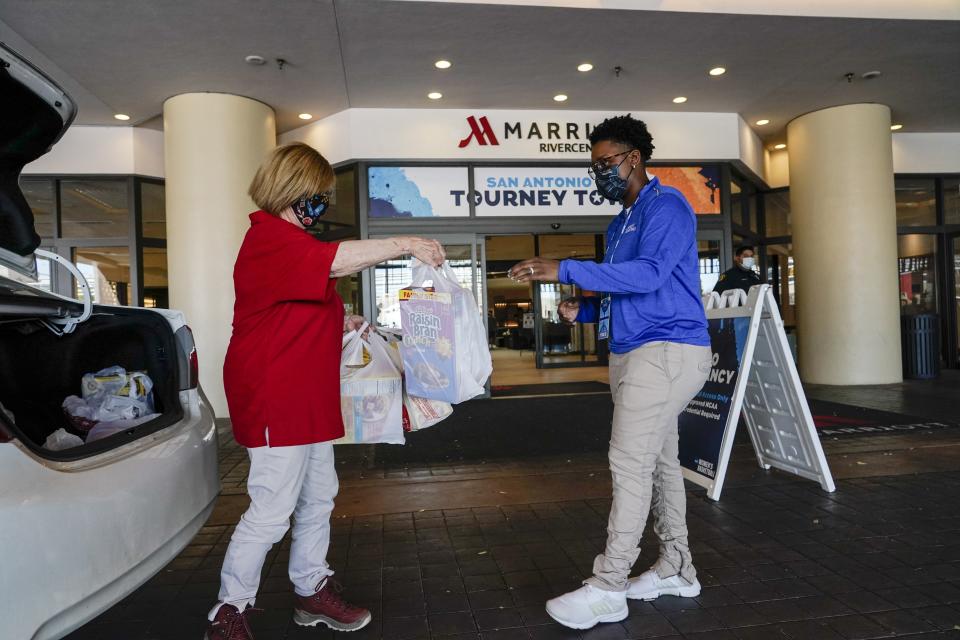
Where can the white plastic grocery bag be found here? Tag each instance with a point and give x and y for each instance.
(422, 413)
(418, 413)
(108, 395)
(371, 391)
(445, 352)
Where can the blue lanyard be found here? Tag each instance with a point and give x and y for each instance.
(603, 324)
(623, 228)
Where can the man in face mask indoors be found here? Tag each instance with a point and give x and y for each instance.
(652, 314)
(742, 274)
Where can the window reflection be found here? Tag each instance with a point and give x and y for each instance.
(155, 283)
(776, 211)
(153, 207)
(107, 272)
(781, 277)
(709, 254)
(39, 195)
(916, 202)
(951, 200)
(917, 266)
(94, 208)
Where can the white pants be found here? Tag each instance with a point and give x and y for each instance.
(299, 480)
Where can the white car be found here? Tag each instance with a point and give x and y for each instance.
(83, 527)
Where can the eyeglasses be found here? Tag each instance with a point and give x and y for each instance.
(603, 163)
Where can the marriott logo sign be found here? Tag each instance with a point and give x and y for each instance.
(552, 137)
(480, 131)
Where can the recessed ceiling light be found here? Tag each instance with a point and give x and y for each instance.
(434, 95)
(560, 97)
(680, 99)
(586, 66)
(255, 60)
(896, 127)
(870, 75)
(780, 146)
(760, 123)
(717, 71)
(442, 64)
(305, 116)
(121, 116)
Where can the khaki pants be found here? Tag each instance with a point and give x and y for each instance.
(651, 385)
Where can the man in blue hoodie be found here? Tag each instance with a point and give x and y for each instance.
(660, 357)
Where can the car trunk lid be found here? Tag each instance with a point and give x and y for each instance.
(34, 113)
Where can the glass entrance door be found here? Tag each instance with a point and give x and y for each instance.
(956, 299)
(559, 344)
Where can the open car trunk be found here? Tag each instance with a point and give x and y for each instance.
(34, 113)
(38, 369)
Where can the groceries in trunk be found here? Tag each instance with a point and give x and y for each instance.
(112, 400)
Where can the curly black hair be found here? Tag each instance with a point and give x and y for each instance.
(625, 130)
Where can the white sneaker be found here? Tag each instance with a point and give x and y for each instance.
(588, 605)
(650, 586)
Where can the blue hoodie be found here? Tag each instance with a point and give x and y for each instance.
(652, 273)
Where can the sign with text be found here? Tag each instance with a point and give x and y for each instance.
(569, 191)
(443, 191)
(703, 422)
(551, 136)
(537, 191)
(754, 376)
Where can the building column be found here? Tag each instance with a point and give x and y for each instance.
(213, 145)
(845, 245)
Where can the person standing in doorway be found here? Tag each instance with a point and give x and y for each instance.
(282, 382)
(742, 274)
(653, 316)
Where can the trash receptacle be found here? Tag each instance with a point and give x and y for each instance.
(920, 337)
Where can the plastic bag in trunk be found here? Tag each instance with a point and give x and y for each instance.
(109, 395)
(371, 391)
(445, 351)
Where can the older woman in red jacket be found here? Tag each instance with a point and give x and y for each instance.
(282, 381)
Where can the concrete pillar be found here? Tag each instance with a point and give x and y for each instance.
(213, 144)
(845, 245)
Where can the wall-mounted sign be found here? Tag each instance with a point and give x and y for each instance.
(417, 192)
(561, 191)
(528, 135)
(438, 191)
(536, 191)
(699, 185)
(551, 136)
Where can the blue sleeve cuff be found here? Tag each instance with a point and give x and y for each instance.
(562, 274)
(589, 310)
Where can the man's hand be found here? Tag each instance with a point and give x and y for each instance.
(540, 269)
(568, 310)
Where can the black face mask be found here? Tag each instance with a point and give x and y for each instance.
(309, 210)
(610, 184)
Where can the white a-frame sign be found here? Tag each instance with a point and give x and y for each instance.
(754, 374)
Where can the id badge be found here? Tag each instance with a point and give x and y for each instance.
(603, 329)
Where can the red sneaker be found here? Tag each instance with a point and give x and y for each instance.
(328, 607)
(230, 624)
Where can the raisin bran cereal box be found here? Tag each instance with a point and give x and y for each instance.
(429, 357)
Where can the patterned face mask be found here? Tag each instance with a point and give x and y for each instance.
(609, 183)
(309, 210)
